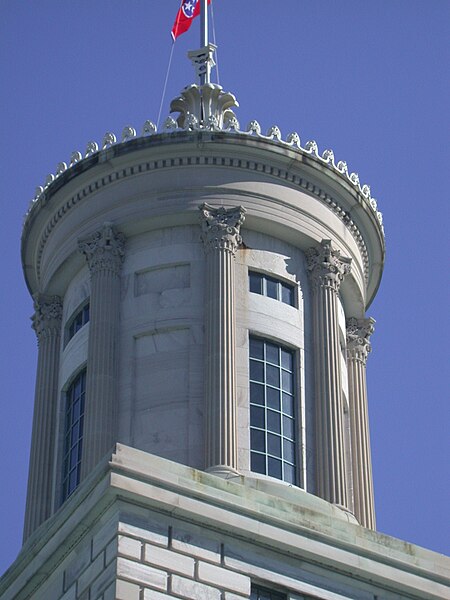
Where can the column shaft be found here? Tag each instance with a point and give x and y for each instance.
(47, 324)
(358, 348)
(327, 269)
(221, 238)
(104, 253)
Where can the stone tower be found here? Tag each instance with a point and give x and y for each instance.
(200, 427)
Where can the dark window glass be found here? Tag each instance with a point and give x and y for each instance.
(255, 282)
(75, 399)
(259, 593)
(77, 322)
(272, 419)
(258, 463)
(271, 287)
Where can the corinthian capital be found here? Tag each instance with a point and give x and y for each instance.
(358, 336)
(221, 227)
(327, 268)
(104, 249)
(47, 316)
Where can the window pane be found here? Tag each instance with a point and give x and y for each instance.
(255, 282)
(272, 288)
(274, 444)
(287, 381)
(256, 348)
(272, 354)
(288, 427)
(288, 405)
(256, 370)
(274, 467)
(289, 473)
(287, 294)
(256, 393)
(273, 376)
(286, 359)
(273, 421)
(258, 463)
(258, 440)
(257, 417)
(289, 451)
(273, 398)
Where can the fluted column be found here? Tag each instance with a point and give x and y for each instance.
(47, 325)
(221, 236)
(358, 348)
(327, 269)
(104, 254)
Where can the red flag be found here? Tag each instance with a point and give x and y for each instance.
(189, 9)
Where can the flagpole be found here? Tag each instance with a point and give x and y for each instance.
(204, 37)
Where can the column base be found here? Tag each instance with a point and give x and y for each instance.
(223, 471)
(351, 517)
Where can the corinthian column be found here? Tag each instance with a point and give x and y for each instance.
(221, 236)
(358, 348)
(104, 254)
(47, 325)
(327, 269)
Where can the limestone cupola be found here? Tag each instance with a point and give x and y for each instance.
(200, 294)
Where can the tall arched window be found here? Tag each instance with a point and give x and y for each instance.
(73, 438)
(272, 410)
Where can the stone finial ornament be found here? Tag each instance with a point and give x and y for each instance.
(60, 168)
(326, 267)
(75, 157)
(221, 227)
(293, 139)
(108, 140)
(104, 249)
(203, 102)
(149, 128)
(358, 338)
(91, 148)
(254, 128)
(128, 133)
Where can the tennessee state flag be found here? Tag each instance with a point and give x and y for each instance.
(189, 9)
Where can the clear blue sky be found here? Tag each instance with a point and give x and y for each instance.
(367, 78)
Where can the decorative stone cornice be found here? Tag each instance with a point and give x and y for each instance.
(358, 336)
(221, 227)
(104, 249)
(46, 320)
(326, 267)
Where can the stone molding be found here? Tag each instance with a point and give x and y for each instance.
(221, 227)
(47, 317)
(104, 249)
(358, 338)
(326, 267)
(215, 105)
(196, 160)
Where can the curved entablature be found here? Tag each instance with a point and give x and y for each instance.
(284, 165)
(218, 117)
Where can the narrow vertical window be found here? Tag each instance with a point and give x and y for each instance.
(272, 410)
(77, 322)
(73, 439)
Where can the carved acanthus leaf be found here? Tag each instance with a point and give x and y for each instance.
(104, 249)
(358, 338)
(46, 320)
(221, 227)
(326, 267)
